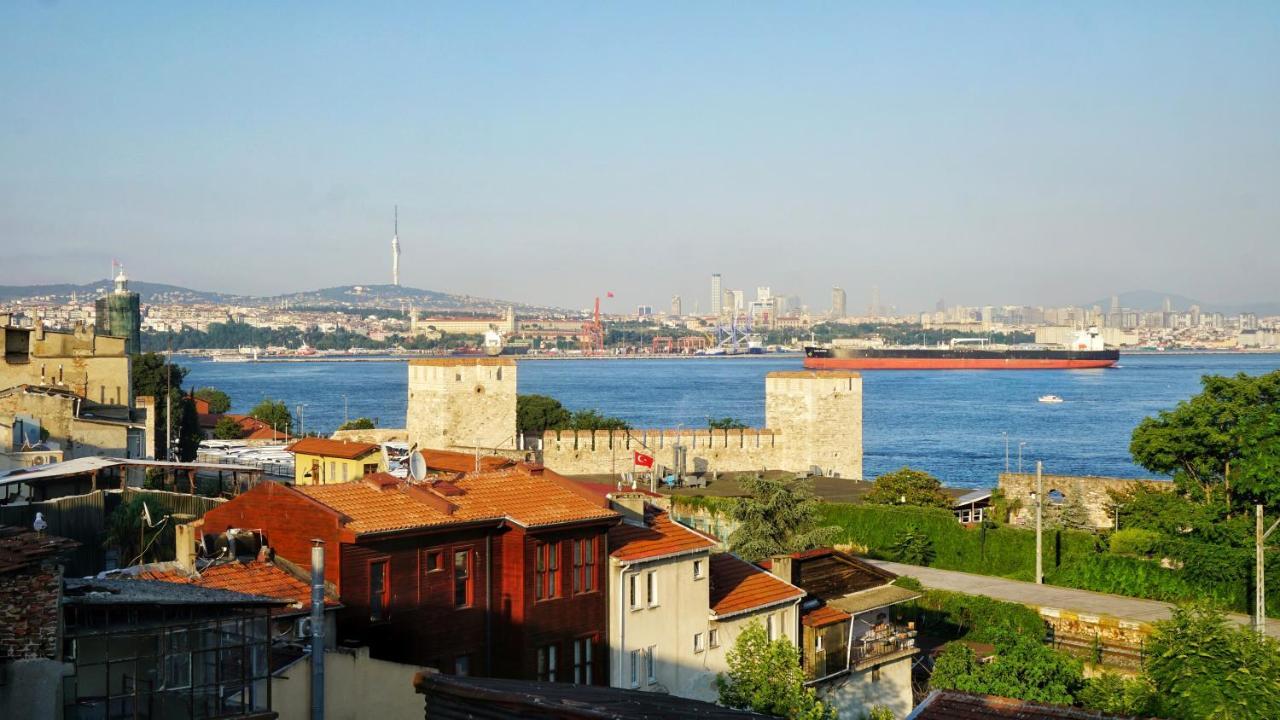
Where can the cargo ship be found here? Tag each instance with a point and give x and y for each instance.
(1087, 350)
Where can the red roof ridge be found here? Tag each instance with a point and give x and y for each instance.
(328, 447)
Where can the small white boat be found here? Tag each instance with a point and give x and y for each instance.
(1050, 399)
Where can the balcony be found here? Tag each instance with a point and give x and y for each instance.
(881, 643)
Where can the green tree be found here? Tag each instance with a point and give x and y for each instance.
(1071, 513)
(189, 435)
(360, 423)
(1117, 695)
(1023, 668)
(274, 413)
(219, 402)
(1202, 667)
(913, 547)
(905, 486)
(1224, 440)
(593, 420)
(777, 516)
(137, 542)
(726, 423)
(540, 413)
(766, 677)
(228, 429)
(153, 375)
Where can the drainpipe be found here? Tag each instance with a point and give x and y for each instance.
(622, 623)
(317, 629)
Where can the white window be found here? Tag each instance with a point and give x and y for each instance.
(344, 472)
(634, 589)
(714, 637)
(769, 627)
(817, 643)
(635, 667)
(651, 588)
(697, 643)
(697, 570)
(649, 664)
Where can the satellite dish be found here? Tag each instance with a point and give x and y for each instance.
(417, 465)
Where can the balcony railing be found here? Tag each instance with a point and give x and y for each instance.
(884, 640)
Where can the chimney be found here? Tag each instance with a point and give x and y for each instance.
(780, 566)
(631, 506)
(184, 540)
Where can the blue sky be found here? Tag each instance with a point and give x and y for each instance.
(546, 152)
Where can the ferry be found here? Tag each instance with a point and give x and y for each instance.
(1087, 350)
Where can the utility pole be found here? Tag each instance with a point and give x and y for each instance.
(345, 420)
(1020, 446)
(168, 401)
(1006, 452)
(1039, 523)
(1260, 578)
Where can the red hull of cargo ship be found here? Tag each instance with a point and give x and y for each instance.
(915, 363)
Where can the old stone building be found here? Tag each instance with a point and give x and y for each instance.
(1092, 492)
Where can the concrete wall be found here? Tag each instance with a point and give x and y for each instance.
(1018, 487)
(857, 692)
(77, 437)
(787, 622)
(462, 402)
(356, 686)
(668, 627)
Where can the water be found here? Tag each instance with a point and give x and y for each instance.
(948, 423)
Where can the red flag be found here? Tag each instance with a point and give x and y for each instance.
(643, 460)
(608, 294)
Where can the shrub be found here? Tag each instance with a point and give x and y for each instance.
(913, 547)
(952, 615)
(905, 486)
(1135, 541)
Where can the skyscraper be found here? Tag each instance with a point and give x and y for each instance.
(838, 300)
(676, 306)
(717, 295)
(395, 250)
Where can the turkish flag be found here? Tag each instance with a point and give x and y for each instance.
(643, 460)
(608, 294)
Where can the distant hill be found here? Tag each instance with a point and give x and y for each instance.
(1152, 300)
(391, 296)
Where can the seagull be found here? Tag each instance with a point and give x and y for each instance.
(40, 525)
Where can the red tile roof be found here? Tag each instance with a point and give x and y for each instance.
(516, 494)
(252, 578)
(660, 537)
(738, 586)
(823, 616)
(332, 448)
(953, 705)
(602, 491)
(451, 461)
(20, 547)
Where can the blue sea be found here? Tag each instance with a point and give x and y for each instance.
(950, 423)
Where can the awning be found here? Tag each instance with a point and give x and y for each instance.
(872, 599)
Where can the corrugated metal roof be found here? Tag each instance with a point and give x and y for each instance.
(879, 597)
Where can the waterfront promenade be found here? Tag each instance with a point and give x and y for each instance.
(1050, 597)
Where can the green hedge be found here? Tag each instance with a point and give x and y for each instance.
(944, 615)
(1003, 551)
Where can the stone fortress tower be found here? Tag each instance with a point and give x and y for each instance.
(813, 424)
(462, 402)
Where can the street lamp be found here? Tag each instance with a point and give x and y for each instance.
(1020, 446)
(302, 419)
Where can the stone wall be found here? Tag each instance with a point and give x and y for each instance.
(462, 402)
(1018, 489)
(29, 617)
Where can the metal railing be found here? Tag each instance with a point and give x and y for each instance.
(881, 642)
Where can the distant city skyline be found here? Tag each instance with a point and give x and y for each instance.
(547, 154)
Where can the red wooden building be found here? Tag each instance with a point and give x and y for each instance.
(497, 573)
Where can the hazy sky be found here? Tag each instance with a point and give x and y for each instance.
(547, 152)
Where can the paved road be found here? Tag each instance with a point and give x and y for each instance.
(1084, 602)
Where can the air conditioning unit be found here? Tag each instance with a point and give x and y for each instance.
(302, 627)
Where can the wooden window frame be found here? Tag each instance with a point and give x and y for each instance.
(468, 590)
(383, 613)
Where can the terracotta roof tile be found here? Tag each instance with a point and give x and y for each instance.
(738, 586)
(513, 493)
(451, 461)
(954, 705)
(252, 578)
(662, 536)
(823, 616)
(332, 448)
(20, 547)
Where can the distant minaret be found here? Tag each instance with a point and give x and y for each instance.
(395, 251)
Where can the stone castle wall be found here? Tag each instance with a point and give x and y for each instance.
(462, 402)
(1018, 488)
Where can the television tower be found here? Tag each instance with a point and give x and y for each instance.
(395, 251)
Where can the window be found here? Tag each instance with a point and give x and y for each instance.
(462, 578)
(698, 570)
(462, 665)
(547, 663)
(582, 661)
(697, 643)
(769, 627)
(370, 468)
(634, 586)
(379, 589)
(344, 472)
(434, 561)
(650, 671)
(651, 588)
(547, 570)
(713, 637)
(584, 566)
(635, 668)
(333, 475)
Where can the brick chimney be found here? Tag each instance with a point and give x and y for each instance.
(780, 566)
(184, 540)
(631, 507)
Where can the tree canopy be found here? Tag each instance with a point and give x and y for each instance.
(1225, 441)
(360, 423)
(219, 402)
(153, 375)
(1023, 668)
(905, 486)
(274, 413)
(766, 677)
(228, 429)
(540, 413)
(777, 516)
(726, 423)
